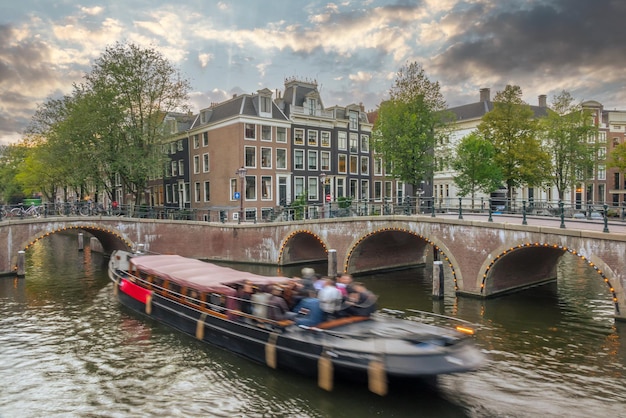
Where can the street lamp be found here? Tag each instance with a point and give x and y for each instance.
(241, 172)
(323, 195)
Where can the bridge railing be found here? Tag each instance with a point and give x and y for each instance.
(408, 206)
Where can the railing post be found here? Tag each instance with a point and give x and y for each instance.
(606, 219)
(432, 209)
(561, 204)
(524, 213)
(490, 217)
(460, 208)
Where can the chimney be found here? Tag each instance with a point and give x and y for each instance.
(543, 100)
(485, 95)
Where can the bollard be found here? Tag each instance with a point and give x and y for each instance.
(332, 263)
(81, 243)
(438, 280)
(21, 263)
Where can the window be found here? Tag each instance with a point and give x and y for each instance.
(298, 136)
(378, 191)
(196, 164)
(266, 104)
(172, 148)
(325, 160)
(354, 164)
(174, 169)
(378, 166)
(266, 188)
(312, 139)
(342, 140)
(365, 189)
(354, 143)
(325, 139)
(298, 159)
(299, 186)
(179, 145)
(205, 139)
(353, 188)
(266, 133)
(205, 162)
(365, 143)
(312, 106)
(387, 190)
(313, 187)
(266, 157)
(233, 188)
(207, 191)
(341, 187)
(250, 157)
(602, 153)
(312, 164)
(250, 131)
(365, 165)
(601, 172)
(250, 187)
(281, 135)
(181, 167)
(196, 192)
(341, 163)
(196, 142)
(354, 119)
(281, 158)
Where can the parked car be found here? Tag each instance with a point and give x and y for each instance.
(596, 216)
(579, 215)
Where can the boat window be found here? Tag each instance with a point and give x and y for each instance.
(174, 288)
(192, 296)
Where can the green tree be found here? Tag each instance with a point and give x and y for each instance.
(11, 159)
(410, 125)
(566, 131)
(512, 129)
(136, 88)
(617, 158)
(473, 163)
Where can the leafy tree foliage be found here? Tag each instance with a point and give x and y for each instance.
(617, 158)
(110, 126)
(473, 163)
(11, 158)
(409, 126)
(513, 131)
(566, 131)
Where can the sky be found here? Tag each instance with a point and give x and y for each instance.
(352, 49)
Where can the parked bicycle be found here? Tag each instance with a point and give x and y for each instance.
(20, 212)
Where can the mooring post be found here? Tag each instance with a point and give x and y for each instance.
(438, 279)
(81, 241)
(332, 263)
(21, 263)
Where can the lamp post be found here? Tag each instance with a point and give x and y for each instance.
(323, 194)
(241, 172)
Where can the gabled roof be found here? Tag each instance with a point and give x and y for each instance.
(477, 110)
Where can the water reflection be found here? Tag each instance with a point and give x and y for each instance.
(68, 349)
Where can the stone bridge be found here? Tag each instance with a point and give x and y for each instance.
(481, 257)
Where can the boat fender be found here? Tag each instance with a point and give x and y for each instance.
(270, 350)
(325, 372)
(377, 378)
(200, 327)
(149, 304)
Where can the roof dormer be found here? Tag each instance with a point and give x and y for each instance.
(265, 102)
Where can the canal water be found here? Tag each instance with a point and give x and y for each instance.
(67, 349)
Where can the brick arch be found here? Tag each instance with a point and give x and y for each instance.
(552, 252)
(109, 238)
(437, 245)
(301, 246)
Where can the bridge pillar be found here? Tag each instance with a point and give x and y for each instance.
(332, 263)
(21, 263)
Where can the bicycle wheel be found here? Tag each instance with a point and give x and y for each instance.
(16, 212)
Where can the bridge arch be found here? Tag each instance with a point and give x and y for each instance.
(302, 246)
(396, 243)
(517, 260)
(110, 239)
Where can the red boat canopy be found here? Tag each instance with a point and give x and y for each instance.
(197, 274)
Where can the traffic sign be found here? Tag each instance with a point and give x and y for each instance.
(237, 195)
(328, 197)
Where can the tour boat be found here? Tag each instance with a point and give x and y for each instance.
(200, 299)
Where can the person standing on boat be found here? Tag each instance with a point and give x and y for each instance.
(277, 306)
(309, 312)
(330, 298)
(245, 294)
(260, 301)
(360, 302)
(308, 278)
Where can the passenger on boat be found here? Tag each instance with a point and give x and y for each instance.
(330, 298)
(245, 294)
(277, 306)
(309, 312)
(291, 292)
(319, 282)
(259, 302)
(308, 277)
(360, 302)
(344, 284)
